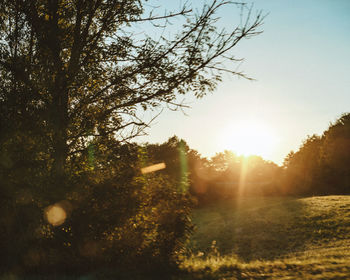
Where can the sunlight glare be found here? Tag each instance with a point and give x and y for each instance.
(249, 138)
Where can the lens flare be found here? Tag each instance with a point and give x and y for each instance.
(56, 214)
(184, 167)
(153, 168)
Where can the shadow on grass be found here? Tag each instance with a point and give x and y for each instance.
(254, 228)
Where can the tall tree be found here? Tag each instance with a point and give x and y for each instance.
(72, 70)
(302, 168)
(321, 165)
(335, 155)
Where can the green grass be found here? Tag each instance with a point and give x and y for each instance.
(271, 238)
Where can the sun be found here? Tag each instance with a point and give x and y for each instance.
(249, 138)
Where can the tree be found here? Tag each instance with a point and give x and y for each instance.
(321, 165)
(302, 168)
(335, 155)
(73, 76)
(75, 70)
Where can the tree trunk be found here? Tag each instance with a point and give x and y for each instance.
(60, 126)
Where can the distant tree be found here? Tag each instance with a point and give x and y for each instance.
(174, 154)
(321, 165)
(221, 161)
(335, 155)
(229, 176)
(303, 167)
(184, 166)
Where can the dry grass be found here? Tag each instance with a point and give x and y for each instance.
(271, 238)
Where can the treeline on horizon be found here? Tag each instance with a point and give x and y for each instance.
(321, 166)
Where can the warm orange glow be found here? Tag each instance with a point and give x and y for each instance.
(242, 176)
(249, 138)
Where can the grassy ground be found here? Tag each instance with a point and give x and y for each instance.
(271, 238)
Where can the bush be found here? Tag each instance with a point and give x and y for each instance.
(114, 218)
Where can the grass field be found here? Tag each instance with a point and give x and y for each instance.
(271, 238)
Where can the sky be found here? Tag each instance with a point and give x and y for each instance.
(301, 67)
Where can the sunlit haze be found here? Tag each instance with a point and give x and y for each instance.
(249, 137)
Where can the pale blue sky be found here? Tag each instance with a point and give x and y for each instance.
(301, 63)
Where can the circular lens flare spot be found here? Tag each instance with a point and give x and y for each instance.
(55, 215)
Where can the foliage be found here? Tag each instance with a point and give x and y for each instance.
(335, 154)
(229, 175)
(80, 69)
(182, 163)
(222, 177)
(74, 76)
(321, 165)
(116, 217)
(303, 167)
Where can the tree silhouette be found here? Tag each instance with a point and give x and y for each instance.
(335, 155)
(80, 69)
(321, 165)
(73, 76)
(303, 167)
